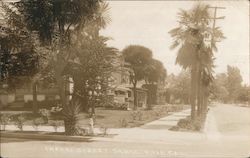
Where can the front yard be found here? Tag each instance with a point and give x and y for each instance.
(107, 118)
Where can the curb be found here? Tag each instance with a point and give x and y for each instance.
(46, 137)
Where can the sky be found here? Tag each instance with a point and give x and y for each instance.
(147, 23)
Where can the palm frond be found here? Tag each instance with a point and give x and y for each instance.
(175, 44)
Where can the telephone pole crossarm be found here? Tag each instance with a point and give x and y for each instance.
(214, 18)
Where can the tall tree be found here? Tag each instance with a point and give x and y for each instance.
(179, 86)
(21, 38)
(155, 74)
(233, 83)
(244, 94)
(54, 21)
(155, 71)
(138, 58)
(195, 53)
(90, 66)
(20, 56)
(218, 88)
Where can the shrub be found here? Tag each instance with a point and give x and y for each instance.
(106, 102)
(158, 113)
(184, 123)
(37, 122)
(198, 123)
(134, 115)
(120, 106)
(165, 109)
(123, 122)
(137, 115)
(56, 113)
(188, 124)
(82, 131)
(55, 125)
(4, 120)
(45, 104)
(19, 122)
(45, 114)
(104, 130)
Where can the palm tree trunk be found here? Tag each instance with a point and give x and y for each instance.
(71, 127)
(61, 86)
(199, 91)
(71, 117)
(193, 93)
(205, 98)
(202, 101)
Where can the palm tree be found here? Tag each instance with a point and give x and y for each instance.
(90, 65)
(195, 52)
(71, 115)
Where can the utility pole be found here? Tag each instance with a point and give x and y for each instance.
(202, 107)
(214, 18)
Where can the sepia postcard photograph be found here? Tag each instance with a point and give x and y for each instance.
(124, 79)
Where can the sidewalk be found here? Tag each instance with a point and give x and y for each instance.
(156, 131)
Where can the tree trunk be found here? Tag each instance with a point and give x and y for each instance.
(205, 98)
(71, 127)
(84, 98)
(199, 91)
(150, 96)
(193, 93)
(71, 113)
(135, 95)
(35, 104)
(59, 67)
(93, 105)
(84, 103)
(61, 86)
(202, 101)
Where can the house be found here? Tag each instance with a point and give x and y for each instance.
(122, 90)
(20, 96)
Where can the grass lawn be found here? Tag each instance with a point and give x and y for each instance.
(121, 119)
(110, 118)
